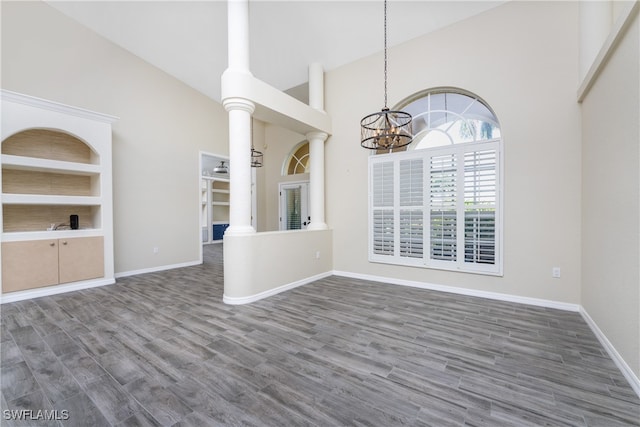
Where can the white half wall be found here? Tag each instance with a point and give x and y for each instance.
(273, 262)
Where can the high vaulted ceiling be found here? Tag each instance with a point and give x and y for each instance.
(188, 39)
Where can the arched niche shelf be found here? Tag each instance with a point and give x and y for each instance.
(57, 220)
(55, 144)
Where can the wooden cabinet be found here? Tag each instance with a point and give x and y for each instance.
(29, 264)
(37, 263)
(56, 162)
(80, 259)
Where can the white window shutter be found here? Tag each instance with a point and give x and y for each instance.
(382, 211)
(383, 232)
(442, 207)
(383, 185)
(438, 208)
(411, 212)
(480, 197)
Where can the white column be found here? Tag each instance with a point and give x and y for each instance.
(595, 24)
(238, 35)
(316, 180)
(240, 111)
(316, 86)
(316, 151)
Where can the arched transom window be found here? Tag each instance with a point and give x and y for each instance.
(438, 204)
(442, 117)
(298, 160)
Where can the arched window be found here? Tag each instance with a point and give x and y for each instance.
(443, 117)
(298, 160)
(438, 204)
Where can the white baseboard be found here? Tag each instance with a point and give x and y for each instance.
(626, 370)
(252, 298)
(53, 290)
(156, 269)
(464, 291)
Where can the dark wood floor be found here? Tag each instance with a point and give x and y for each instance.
(162, 349)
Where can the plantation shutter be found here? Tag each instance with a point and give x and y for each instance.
(382, 210)
(411, 212)
(480, 198)
(437, 208)
(442, 207)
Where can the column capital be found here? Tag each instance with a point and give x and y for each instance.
(238, 104)
(317, 135)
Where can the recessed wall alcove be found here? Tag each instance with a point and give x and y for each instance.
(57, 216)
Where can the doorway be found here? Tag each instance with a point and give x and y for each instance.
(214, 196)
(294, 205)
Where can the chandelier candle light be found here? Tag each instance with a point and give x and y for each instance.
(386, 129)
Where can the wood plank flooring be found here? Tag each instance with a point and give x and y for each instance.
(162, 349)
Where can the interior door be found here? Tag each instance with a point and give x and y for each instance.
(294, 206)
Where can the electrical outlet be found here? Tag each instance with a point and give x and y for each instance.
(156, 249)
(555, 272)
(317, 254)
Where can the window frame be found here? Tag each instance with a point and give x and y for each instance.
(425, 261)
(297, 162)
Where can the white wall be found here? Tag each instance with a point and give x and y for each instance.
(611, 199)
(522, 59)
(163, 125)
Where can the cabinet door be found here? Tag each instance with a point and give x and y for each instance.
(30, 264)
(81, 258)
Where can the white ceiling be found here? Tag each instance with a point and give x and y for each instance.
(188, 39)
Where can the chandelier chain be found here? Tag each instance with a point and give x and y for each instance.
(385, 53)
(386, 130)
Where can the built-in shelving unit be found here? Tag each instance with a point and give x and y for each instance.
(214, 198)
(215, 212)
(56, 162)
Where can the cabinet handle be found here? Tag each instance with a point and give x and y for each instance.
(64, 243)
(52, 244)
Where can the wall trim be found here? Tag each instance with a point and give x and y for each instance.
(261, 295)
(464, 291)
(156, 269)
(626, 370)
(58, 107)
(53, 290)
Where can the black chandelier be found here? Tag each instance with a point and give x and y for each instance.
(221, 168)
(386, 129)
(256, 156)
